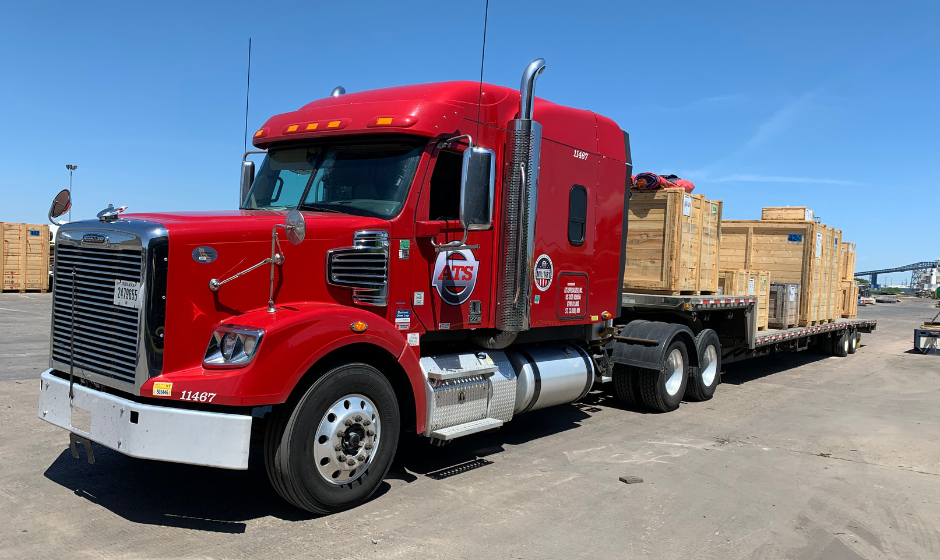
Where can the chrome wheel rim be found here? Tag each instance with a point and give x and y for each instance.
(675, 367)
(845, 344)
(853, 342)
(709, 365)
(347, 439)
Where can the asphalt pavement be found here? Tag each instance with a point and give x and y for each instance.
(798, 456)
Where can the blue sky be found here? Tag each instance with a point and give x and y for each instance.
(831, 105)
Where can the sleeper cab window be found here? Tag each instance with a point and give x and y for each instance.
(577, 215)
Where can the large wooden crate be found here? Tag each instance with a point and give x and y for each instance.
(787, 214)
(849, 296)
(673, 241)
(748, 283)
(24, 262)
(793, 252)
(830, 276)
(847, 261)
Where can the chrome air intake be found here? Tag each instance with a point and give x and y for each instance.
(520, 198)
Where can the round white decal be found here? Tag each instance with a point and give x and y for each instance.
(544, 271)
(455, 275)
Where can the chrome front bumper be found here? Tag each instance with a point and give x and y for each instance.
(146, 431)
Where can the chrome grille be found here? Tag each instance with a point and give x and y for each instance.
(106, 335)
(362, 267)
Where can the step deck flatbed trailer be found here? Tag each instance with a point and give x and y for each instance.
(733, 318)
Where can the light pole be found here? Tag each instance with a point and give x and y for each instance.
(71, 168)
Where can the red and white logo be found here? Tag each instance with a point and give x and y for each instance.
(544, 271)
(455, 275)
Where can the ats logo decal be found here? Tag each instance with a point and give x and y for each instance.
(544, 271)
(455, 275)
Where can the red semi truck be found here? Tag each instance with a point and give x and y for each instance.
(433, 258)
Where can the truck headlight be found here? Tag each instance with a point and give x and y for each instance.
(232, 346)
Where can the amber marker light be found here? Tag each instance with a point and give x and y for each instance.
(333, 124)
(607, 316)
(261, 132)
(359, 327)
(312, 126)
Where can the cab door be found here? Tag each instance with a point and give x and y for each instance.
(452, 284)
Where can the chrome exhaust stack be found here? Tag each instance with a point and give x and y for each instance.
(520, 198)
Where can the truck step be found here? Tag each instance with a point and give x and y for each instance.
(460, 430)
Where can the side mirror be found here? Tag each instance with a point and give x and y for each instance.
(476, 188)
(247, 178)
(60, 205)
(296, 227)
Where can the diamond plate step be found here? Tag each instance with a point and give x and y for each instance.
(460, 430)
(446, 374)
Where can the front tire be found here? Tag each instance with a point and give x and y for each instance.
(702, 384)
(662, 389)
(329, 450)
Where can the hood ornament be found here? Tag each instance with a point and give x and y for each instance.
(110, 214)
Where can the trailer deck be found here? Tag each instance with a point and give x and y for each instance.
(761, 341)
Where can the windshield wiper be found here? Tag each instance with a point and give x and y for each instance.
(314, 208)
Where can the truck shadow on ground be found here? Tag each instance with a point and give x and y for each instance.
(739, 373)
(221, 501)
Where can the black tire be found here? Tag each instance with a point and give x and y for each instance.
(653, 383)
(840, 344)
(703, 383)
(853, 342)
(627, 385)
(292, 434)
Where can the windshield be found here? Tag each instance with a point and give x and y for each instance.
(365, 179)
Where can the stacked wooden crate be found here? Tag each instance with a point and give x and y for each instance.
(24, 262)
(748, 283)
(848, 287)
(793, 250)
(673, 241)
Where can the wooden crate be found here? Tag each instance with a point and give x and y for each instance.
(847, 261)
(849, 294)
(748, 283)
(784, 305)
(787, 214)
(829, 276)
(793, 252)
(673, 242)
(24, 262)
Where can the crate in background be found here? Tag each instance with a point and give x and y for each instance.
(784, 305)
(24, 260)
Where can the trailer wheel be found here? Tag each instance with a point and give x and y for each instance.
(853, 342)
(332, 448)
(840, 344)
(627, 385)
(702, 385)
(664, 388)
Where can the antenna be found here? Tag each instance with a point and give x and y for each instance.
(486, 13)
(248, 91)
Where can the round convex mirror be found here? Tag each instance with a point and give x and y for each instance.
(297, 229)
(60, 204)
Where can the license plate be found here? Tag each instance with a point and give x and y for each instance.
(127, 294)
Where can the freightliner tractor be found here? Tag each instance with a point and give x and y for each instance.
(434, 258)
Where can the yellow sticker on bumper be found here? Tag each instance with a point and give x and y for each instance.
(162, 389)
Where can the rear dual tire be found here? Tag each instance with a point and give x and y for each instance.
(662, 390)
(841, 344)
(703, 383)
